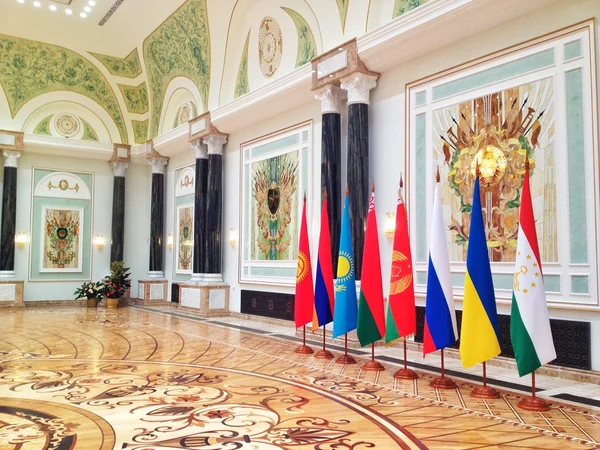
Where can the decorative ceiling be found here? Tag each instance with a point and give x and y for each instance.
(129, 70)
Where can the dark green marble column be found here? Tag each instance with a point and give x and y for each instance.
(9, 215)
(157, 213)
(214, 208)
(358, 86)
(201, 183)
(118, 211)
(331, 162)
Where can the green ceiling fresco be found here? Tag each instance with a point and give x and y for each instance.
(140, 131)
(43, 128)
(29, 69)
(89, 134)
(403, 6)
(242, 86)
(343, 9)
(179, 47)
(136, 98)
(307, 48)
(128, 67)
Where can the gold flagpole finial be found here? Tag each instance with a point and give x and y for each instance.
(477, 172)
(526, 161)
(437, 175)
(304, 196)
(373, 186)
(347, 191)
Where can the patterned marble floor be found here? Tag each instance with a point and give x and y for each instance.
(73, 378)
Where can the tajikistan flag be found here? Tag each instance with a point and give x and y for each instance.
(529, 323)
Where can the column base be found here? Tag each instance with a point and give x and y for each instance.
(11, 292)
(197, 278)
(7, 274)
(207, 278)
(153, 291)
(209, 300)
(156, 274)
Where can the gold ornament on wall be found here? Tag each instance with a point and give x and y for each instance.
(67, 125)
(270, 46)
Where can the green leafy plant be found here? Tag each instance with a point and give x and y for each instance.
(90, 289)
(117, 282)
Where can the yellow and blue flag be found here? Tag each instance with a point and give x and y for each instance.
(479, 332)
(346, 306)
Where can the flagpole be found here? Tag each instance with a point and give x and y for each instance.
(442, 382)
(405, 373)
(345, 358)
(372, 365)
(324, 353)
(534, 403)
(484, 391)
(304, 349)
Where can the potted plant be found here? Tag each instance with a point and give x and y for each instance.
(116, 283)
(92, 291)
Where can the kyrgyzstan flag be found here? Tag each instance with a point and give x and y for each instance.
(303, 305)
(324, 300)
(371, 319)
(401, 313)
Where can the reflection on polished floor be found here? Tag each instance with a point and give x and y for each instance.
(139, 379)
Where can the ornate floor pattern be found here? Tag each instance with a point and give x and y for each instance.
(134, 379)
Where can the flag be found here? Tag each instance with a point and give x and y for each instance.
(371, 320)
(346, 307)
(303, 304)
(479, 332)
(324, 301)
(440, 318)
(401, 313)
(529, 323)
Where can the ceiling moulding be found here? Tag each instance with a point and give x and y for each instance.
(110, 12)
(172, 142)
(48, 145)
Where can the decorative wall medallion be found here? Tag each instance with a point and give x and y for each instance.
(184, 114)
(67, 125)
(270, 46)
(63, 185)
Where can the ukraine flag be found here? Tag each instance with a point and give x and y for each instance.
(479, 333)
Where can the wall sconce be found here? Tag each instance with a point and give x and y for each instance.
(233, 237)
(170, 241)
(21, 239)
(99, 241)
(389, 226)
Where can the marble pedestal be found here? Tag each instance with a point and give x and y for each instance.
(153, 291)
(209, 300)
(11, 293)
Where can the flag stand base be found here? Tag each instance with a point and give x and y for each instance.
(304, 350)
(373, 366)
(485, 392)
(405, 374)
(443, 383)
(324, 354)
(345, 359)
(534, 404)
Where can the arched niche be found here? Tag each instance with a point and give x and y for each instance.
(181, 93)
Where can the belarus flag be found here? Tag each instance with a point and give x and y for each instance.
(529, 323)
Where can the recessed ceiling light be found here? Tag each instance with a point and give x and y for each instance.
(53, 7)
(21, 1)
(37, 4)
(87, 9)
(92, 3)
(68, 12)
(84, 15)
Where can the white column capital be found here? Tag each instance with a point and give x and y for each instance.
(158, 164)
(10, 158)
(200, 149)
(331, 97)
(215, 143)
(358, 86)
(119, 168)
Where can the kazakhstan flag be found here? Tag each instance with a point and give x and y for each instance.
(346, 306)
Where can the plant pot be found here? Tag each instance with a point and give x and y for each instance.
(112, 302)
(92, 302)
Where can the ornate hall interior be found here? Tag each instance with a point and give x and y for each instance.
(299, 224)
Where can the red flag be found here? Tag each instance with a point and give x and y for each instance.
(303, 305)
(371, 319)
(402, 315)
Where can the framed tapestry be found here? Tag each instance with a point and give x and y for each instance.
(61, 226)
(184, 223)
(535, 100)
(274, 176)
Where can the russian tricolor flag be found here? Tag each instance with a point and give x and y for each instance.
(440, 318)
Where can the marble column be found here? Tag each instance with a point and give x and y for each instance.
(157, 212)
(201, 184)
(214, 207)
(118, 211)
(358, 86)
(9, 215)
(331, 98)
